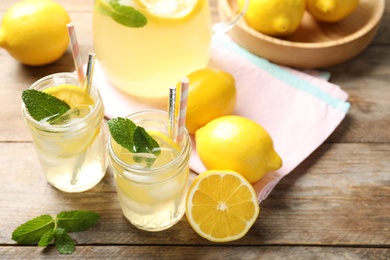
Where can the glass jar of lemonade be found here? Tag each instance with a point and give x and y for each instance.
(146, 46)
(152, 197)
(72, 148)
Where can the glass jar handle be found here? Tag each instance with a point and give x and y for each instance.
(227, 24)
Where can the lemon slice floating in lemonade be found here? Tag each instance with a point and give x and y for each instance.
(171, 10)
(74, 96)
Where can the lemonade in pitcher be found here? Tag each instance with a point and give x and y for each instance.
(151, 187)
(146, 46)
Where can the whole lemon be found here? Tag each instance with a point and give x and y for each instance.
(274, 17)
(34, 32)
(331, 10)
(238, 144)
(212, 93)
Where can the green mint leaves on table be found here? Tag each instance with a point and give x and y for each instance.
(133, 138)
(41, 105)
(43, 229)
(122, 14)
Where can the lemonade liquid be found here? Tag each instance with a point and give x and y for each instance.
(72, 154)
(152, 198)
(146, 61)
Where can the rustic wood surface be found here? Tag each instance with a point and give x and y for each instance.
(335, 205)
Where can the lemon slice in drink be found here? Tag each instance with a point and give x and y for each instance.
(171, 10)
(221, 206)
(74, 96)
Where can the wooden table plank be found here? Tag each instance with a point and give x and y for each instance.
(221, 252)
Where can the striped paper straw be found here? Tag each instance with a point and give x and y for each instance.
(183, 108)
(76, 53)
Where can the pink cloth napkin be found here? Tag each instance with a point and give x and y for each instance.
(299, 110)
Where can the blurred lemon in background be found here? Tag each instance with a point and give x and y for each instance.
(34, 32)
(274, 17)
(238, 144)
(212, 93)
(331, 10)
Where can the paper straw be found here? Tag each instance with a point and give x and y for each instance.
(76, 53)
(171, 112)
(183, 108)
(89, 73)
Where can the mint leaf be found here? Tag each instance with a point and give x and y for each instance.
(47, 238)
(122, 14)
(43, 229)
(31, 232)
(64, 243)
(144, 143)
(133, 138)
(78, 220)
(41, 105)
(122, 130)
(127, 15)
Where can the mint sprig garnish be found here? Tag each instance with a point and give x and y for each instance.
(133, 138)
(41, 105)
(43, 229)
(122, 14)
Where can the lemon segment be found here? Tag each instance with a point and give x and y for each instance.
(239, 144)
(221, 206)
(74, 96)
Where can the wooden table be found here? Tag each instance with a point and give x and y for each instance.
(335, 205)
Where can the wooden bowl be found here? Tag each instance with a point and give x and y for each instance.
(314, 44)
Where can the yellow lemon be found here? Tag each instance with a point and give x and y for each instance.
(274, 17)
(331, 10)
(212, 93)
(34, 32)
(221, 206)
(239, 144)
(74, 96)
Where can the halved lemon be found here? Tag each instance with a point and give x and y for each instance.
(74, 96)
(221, 206)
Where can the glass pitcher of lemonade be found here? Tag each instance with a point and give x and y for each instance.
(146, 46)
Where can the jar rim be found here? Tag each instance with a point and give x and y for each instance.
(156, 170)
(66, 127)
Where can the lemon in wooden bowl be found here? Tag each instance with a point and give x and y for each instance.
(314, 44)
